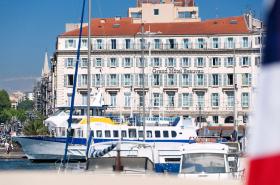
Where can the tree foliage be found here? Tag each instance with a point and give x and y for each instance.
(5, 102)
(26, 105)
(35, 127)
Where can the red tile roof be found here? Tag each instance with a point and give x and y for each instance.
(125, 27)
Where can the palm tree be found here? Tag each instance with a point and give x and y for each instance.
(36, 127)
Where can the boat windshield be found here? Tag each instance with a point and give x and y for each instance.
(203, 163)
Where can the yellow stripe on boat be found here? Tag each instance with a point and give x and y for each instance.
(98, 119)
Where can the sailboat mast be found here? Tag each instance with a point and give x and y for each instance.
(143, 84)
(88, 70)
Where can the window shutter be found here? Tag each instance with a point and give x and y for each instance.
(65, 62)
(226, 62)
(118, 80)
(160, 79)
(161, 99)
(146, 80)
(79, 81)
(190, 79)
(152, 62)
(137, 62)
(108, 80)
(250, 79)
(79, 62)
(195, 80)
(66, 44)
(160, 62)
(175, 62)
(195, 62)
(210, 80)
(240, 61)
(205, 79)
(122, 79)
(210, 62)
(94, 62)
(204, 62)
(181, 62)
(123, 60)
(117, 62)
(102, 62)
(220, 62)
(108, 62)
(189, 62)
(191, 99)
(166, 62)
(179, 100)
(102, 78)
(175, 80)
(65, 80)
(136, 76)
(74, 43)
(180, 80)
(131, 62)
(220, 80)
(225, 79)
(249, 60)
(92, 80)
(165, 80)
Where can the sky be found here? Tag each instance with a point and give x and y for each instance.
(30, 27)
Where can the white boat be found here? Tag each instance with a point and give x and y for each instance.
(104, 130)
(209, 161)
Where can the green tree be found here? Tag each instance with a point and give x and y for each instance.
(36, 127)
(6, 115)
(26, 105)
(5, 102)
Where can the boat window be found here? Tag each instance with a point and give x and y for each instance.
(115, 133)
(99, 133)
(140, 133)
(203, 162)
(172, 160)
(149, 134)
(173, 134)
(157, 133)
(165, 133)
(124, 134)
(107, 133)
(132, 133)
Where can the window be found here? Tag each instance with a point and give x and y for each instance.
(186, 100)
(245, 42)
(107, 133)
(99, 133)
(230, 98)
(215, 100)
(171, 62)
(171, 99)
(127, 80)
(215, 81)
(157, 133)
(200, 79)
(70, 80)
(200, 62)
(230, 43)
(245, 99)
(96, 80)
(127, 44)
(184, 15)
(215, 43)
(186, 62)
(113, 44)
(245, 61)
(215, 119)
(127, 62)
(171, 44)
(69, 99)
(149, 134)
(127, 98)
(132, 133)
(156, 79)
(229, 80)
(156, 99)
(246, 79)
(70, 43)
(200, 43)
(229, 62)
(141, 99)
(165, 134)
(173, 134)
(84, 43)
(113, 62)
(84, 62)
(157, 43)
(99, 44)
(98, 62)
(142, 62)
(70, 62)
(258, 40)
(200, 99)
(216, 62)
(156, 11)
(140, 133)
(84, 80)
(124, 134)
(186, 43)
(186, 80)
(156, 62)
(136, 15)
(171, 80)
(115, 133)
(257, 61)
(113, 98)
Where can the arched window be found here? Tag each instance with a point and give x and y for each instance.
(229, 119)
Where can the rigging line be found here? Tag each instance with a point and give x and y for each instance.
(74, 87)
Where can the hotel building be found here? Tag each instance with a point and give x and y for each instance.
(191, 67)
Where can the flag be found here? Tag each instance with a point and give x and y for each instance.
(264, 143)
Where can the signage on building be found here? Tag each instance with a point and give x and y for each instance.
(176, 71)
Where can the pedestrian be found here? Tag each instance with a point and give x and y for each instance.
(7, 147)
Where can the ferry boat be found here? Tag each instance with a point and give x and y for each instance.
(105, 129)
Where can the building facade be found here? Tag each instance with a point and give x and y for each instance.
(191, 67)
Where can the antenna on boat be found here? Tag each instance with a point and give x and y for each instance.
(89, 81)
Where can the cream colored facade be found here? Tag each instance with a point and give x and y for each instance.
(190, 75)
